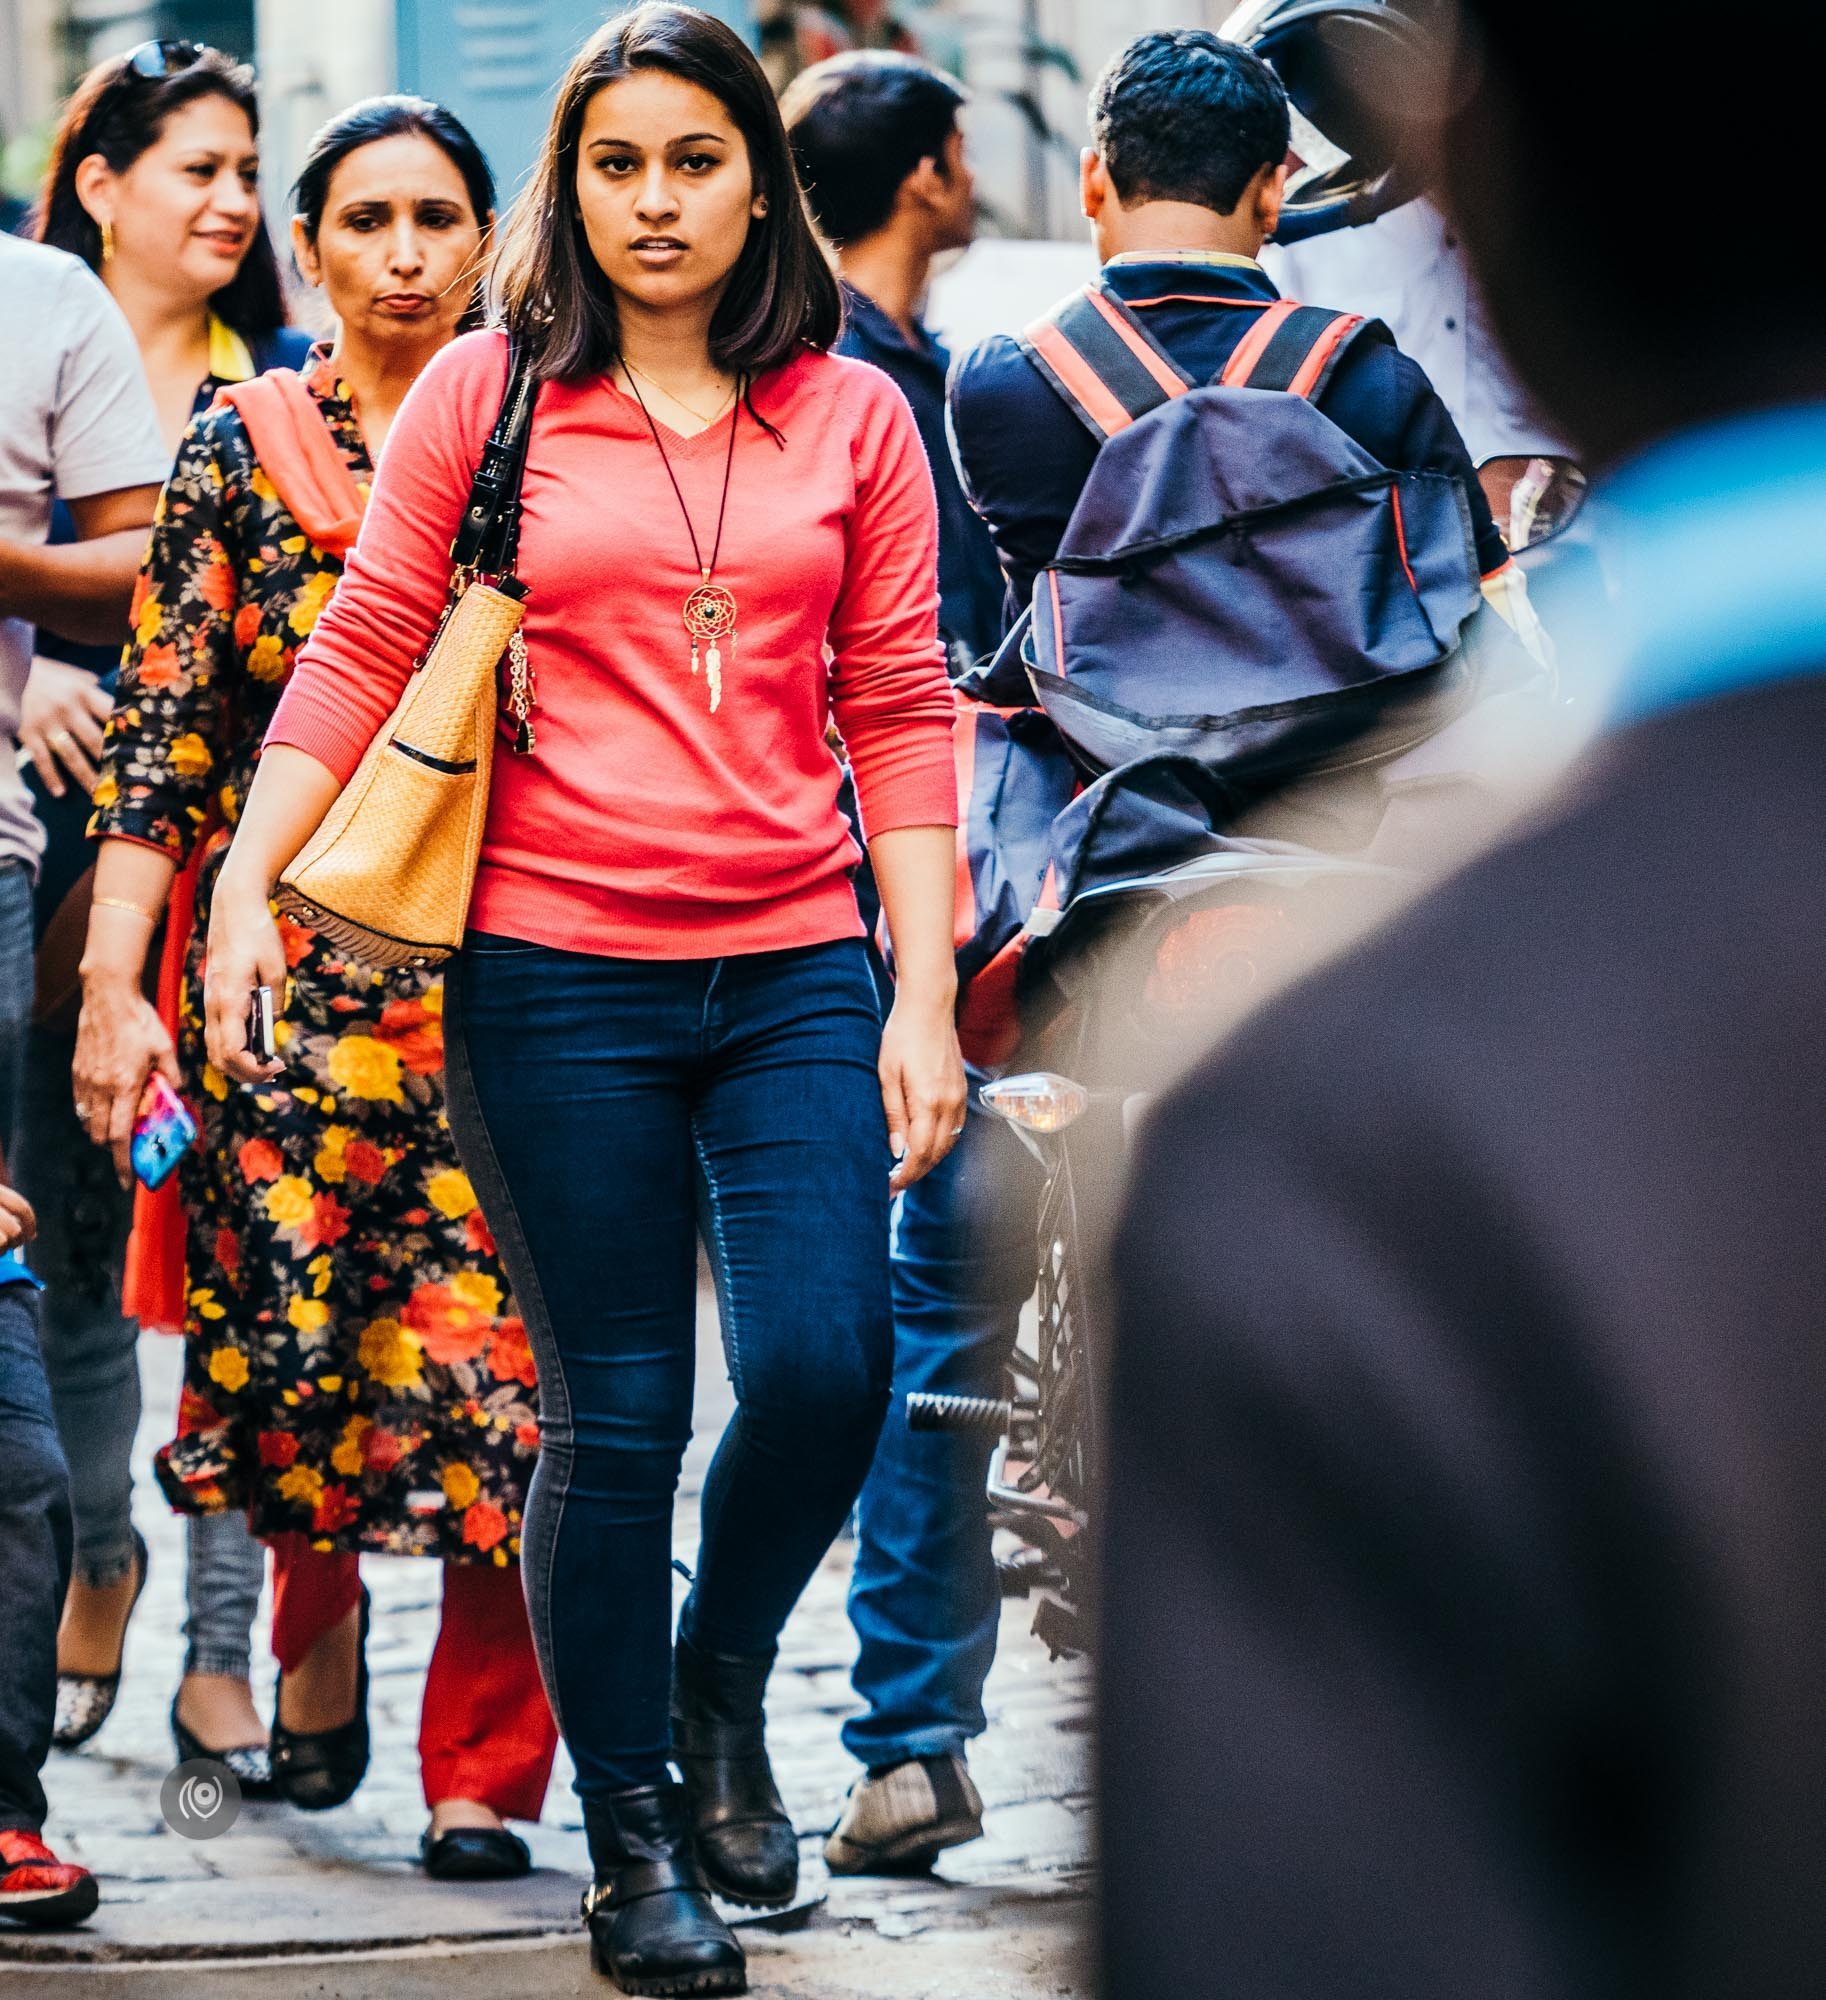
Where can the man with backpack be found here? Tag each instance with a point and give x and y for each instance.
(1182, 185)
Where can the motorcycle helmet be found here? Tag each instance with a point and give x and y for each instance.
(1335, 58)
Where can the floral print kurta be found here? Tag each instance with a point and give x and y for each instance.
(354, 1369)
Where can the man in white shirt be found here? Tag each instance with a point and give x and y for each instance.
(77, 422)
(1406, 269)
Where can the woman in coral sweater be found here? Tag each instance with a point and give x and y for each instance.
(662, 1019)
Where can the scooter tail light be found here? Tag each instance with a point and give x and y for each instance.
(1214, 956)
(1038, 1101)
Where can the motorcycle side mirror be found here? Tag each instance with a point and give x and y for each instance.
(1533, 498)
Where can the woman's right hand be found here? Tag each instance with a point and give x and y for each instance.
(244, 952)
(120, 1041)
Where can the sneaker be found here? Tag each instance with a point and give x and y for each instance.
(37, 1888)
(899, 1821)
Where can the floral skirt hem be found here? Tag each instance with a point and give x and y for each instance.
(207, 1472)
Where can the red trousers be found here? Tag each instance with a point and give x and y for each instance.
(485, 1728)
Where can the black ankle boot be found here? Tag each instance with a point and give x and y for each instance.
(744, 1838)
(653, 1928)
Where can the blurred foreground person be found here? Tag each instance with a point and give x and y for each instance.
(1467, 1425)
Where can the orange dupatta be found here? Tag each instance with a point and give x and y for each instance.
(295, 450)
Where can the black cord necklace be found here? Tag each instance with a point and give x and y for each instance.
(710, 610)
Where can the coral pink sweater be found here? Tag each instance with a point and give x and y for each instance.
(642, 825)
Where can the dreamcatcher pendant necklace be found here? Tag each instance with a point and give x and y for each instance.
(710, 610)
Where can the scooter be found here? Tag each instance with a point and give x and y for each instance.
(1117, 990)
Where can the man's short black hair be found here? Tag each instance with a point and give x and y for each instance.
(1181, 115)
(860, 123)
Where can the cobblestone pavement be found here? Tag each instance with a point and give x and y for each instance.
(233, 1915)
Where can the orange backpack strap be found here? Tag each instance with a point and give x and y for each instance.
(1097, 354)
(293, 445)
(1291, 347)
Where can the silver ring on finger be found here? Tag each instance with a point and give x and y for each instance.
(62, 738)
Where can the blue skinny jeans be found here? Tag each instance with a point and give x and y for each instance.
(609, 1111)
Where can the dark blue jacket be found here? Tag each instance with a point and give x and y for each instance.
(1025, 457)
(969, 577)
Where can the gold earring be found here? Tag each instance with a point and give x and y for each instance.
(107, 242)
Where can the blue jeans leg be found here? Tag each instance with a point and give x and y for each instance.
(923, 1595)
(35, 1528)
(601, 1107)
(35, 1545)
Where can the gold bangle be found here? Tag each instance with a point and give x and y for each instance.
(121, 903)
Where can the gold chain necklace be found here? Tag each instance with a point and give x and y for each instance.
(689, 409)
(709, 609)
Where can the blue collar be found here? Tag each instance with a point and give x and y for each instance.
(1139, 277)
(867, 319)
(1717, 544)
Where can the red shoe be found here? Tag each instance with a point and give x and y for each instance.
(37, 1888)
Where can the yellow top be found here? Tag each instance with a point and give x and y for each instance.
(229, 359)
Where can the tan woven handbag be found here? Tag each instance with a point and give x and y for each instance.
(387, 876)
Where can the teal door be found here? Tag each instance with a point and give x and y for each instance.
(496, 63)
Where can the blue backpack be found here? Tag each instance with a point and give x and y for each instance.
(1241, 583)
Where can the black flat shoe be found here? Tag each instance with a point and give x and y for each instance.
(744, 1838)
(653, 1928)
(321, 1768)
(474, 1854)
(85, 1701)
(251, 1763)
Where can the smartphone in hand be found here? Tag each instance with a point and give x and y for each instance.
(162, 1134)
(260, 1043)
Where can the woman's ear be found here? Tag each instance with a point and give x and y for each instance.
(95, 185)
(304, 253)
(759, 209)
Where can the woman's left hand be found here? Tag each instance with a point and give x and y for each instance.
(923, 1088)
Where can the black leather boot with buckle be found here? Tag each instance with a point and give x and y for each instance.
(653, 1928)
(744, 1838)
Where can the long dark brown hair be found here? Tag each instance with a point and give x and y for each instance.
(550, 290)
(120, 113)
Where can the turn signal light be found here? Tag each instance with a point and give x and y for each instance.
(1037, 1101)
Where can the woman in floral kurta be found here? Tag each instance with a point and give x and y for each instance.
(354, 1368)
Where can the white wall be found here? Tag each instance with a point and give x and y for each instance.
(1036, 188)
(315, 57)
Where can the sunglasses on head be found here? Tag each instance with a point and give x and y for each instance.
(156, 60)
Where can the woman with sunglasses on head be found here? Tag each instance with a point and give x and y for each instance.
(662, 1018)
(153, 182)
(354, 1370)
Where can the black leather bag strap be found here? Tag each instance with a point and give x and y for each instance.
(488, 536)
